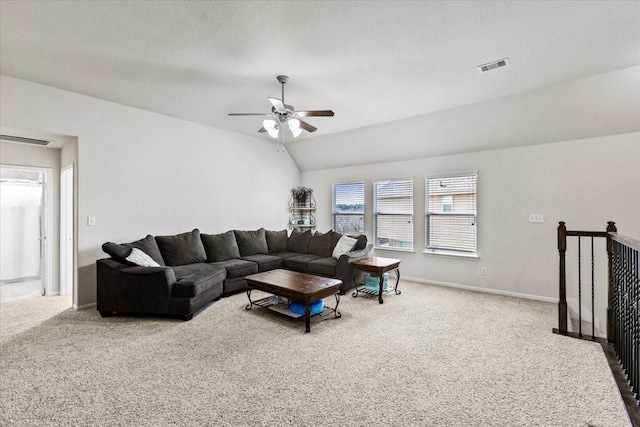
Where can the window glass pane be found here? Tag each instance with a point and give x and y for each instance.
(451, 213)
(393, 211)
(348, 208)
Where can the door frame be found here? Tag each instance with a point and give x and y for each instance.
(47, 249)
(67, 226)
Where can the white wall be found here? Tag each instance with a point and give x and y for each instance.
(140, 172)
(583, 182)
(27, 155)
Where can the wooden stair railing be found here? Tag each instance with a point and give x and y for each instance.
(622, 346)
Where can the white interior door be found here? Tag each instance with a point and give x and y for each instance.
(22, 232)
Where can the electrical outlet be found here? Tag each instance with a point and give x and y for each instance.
(536, 218)
(91, 220)
(484, 271)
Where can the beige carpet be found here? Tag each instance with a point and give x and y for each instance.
(432, 356)
(19, 315)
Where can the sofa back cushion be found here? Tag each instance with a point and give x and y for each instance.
(252, 242)
(181, 249)
(299, 241)
(320, 244)
(121, 251)
(220, 247)
(360, 244)
(277, 241)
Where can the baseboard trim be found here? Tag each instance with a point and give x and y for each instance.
(84, 307)
(484, 290)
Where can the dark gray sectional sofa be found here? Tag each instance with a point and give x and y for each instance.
(196, 268)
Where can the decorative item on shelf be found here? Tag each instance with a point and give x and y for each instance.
(301, 207)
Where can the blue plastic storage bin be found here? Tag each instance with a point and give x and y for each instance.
(372, 283)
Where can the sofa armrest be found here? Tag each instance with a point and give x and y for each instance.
(349, 257)
(133, 289)
(344, 269)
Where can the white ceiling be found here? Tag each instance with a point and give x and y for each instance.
(370, 61)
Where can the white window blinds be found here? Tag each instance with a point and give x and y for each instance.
(450, 210)
(348, 208)
(393, 214)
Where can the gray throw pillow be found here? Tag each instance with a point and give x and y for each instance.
(299, 241)
(182, 249)
(277, 241)
(220, 247)
(320, 244)
(252, 242)
(121, 251)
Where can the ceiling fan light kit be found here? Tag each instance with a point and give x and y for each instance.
(283, 113)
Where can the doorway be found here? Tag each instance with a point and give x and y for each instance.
(25, 220)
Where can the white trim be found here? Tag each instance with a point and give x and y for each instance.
(484, 290)
(66, 212)
(84, 307)
(451, 254)
(451, 174)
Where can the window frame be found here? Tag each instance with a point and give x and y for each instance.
(474, 214)
(333, 205)
(376, 214)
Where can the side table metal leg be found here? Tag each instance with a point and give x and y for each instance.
(307, 316)
(397, 281)
(335, 310)
(248, 307)
(381, 281)
(355, 282)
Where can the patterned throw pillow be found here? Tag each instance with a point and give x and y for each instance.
(344, 245)
(140, 258)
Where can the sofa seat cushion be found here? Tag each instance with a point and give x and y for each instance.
(285, 255)
(194, 279)
(265, 262)
(182, 249)
(237, 267)
(300, 262)
(324, 267)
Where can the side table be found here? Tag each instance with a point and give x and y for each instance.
(377, 266)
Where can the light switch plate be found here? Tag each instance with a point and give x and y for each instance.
(91, 220)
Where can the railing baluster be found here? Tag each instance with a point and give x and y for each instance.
(593, 295)
(579, 291)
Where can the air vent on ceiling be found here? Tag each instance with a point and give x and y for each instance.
(24, 140)
(493, 65)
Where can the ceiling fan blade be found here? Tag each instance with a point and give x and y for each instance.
(306, 126)
(277, 104)
(262, 129)
(315, 113)
(248, 114)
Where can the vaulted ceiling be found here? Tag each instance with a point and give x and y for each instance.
(372, 62)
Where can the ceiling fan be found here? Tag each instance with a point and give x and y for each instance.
(282, 113)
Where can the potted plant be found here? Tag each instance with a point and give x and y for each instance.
(301, 194)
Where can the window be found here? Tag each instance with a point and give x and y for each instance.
(450, 209)
(393, 214)
(348, 208)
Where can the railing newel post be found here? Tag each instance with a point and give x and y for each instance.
(562, 303)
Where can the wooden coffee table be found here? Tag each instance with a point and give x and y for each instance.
(301, 287)
(377, 266)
